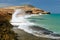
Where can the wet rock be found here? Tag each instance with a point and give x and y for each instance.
(46, 33)
(38, 28)
(56, 35)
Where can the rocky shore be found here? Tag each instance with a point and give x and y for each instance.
(11, 32)
(22, 35)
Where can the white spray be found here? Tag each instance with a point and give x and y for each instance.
(24, 24)
(21, 20)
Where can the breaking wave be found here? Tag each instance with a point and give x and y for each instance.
(19, 18)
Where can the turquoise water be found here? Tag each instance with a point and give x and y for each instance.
(51, 22)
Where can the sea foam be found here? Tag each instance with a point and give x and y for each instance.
(21, 21)
(19, 18)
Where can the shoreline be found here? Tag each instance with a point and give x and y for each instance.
(25, 30)
(22, 35)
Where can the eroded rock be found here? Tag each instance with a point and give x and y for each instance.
(6, 32)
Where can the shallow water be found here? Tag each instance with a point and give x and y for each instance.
(51, 22)
(33, 24)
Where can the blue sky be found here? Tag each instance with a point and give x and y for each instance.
(49, 5)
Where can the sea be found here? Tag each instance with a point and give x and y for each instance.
(41, 25)
(48, 21)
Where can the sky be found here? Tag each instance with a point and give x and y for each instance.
(52, 6)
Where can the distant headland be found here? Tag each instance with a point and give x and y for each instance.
(29, 9)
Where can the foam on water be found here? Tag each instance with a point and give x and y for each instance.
(23, 23)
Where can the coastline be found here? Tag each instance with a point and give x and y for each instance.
(22, 35)
(25, 31)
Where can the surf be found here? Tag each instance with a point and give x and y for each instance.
(19, 18)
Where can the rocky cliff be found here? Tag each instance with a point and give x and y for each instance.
(6, 32)
(28, 9)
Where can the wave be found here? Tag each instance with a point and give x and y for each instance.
(29, 27)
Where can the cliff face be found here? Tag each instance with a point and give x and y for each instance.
(28, 9)
(4, 13)
(5, 28)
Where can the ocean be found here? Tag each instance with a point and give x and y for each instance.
(40, 25)
(48, 21)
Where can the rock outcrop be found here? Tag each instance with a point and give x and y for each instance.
(6, 32)
(29, 9)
